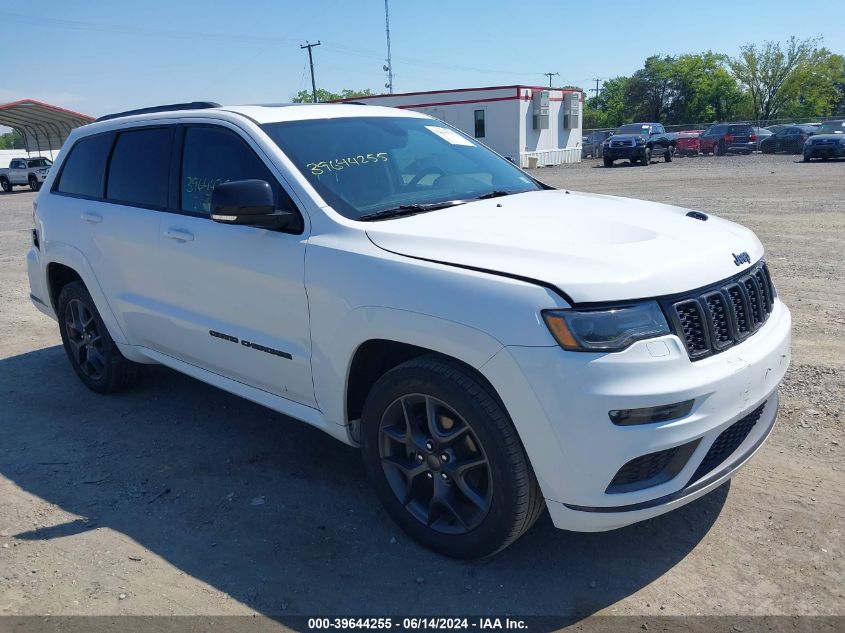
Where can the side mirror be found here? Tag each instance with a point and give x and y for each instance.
(249, 202)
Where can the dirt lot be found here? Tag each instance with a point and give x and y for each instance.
(179, 498)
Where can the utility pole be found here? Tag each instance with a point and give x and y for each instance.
(550, 75)
(389, 66)
(596, 89)
(309, 46)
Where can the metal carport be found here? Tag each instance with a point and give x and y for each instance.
(44, 127)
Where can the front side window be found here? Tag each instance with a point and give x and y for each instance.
(84, 169)
(479, 124)
(139, 171)
(367, 165)
(39, 162)
(213, 155)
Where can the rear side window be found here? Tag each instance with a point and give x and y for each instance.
(139, 171)
(85, 167)
(211, 156)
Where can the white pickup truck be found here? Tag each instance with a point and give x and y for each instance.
(25, 171)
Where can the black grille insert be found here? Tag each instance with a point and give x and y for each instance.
(652, 469)
(718, 317)
(727, 442)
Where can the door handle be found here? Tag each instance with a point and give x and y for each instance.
(91, 218)
(178, 236)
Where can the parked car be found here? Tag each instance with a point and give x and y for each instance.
(762, 134)
(29, 172)
(493, 346)
(688, 142)
(774, 129)
(638, 142)
(827, 142)
(789, 139)
(725, 138)
(594, 141)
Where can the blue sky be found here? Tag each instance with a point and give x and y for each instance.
(103, 56)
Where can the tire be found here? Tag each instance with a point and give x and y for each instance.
(608, 162)
(646, 157)
(806, 158)
(668, 154)
(495, 503)
(718, 150)
(6, 185)
(90, 349)
(34, 185)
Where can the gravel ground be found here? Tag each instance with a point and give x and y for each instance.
(176, 498)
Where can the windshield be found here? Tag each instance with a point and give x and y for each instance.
(39, 162)
(832, 127)
(366, 165)
(633, 128)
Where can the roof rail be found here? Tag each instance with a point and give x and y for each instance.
(193, 105)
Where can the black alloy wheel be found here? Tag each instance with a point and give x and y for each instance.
(445, 459)
(90, 348)
(435, 464)
(85, 340)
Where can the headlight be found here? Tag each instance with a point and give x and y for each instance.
(610, 330)
(640, 140)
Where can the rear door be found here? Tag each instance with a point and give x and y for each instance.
(114, 186)
(234, 296)
(17, 172)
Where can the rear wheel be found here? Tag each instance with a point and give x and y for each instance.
(668, 154)
(608, 162)
(718, 149)
(5, 184)
(806, 158)
(92, 353)
(446, 461)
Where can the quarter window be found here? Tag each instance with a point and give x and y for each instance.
(85, 167)
(211, 156)
(140, 167)
(479, 124)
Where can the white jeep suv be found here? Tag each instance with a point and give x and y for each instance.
(492, 345)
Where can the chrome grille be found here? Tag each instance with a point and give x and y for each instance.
(713, 319)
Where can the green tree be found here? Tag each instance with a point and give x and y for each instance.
(11, 140)
(772, 73)
(306, 96)
(819, 87)
(651, 90)
(703, 90)
(610, 107)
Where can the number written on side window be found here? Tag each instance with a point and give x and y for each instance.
(211, 156)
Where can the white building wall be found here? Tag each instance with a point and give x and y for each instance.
(508, 114)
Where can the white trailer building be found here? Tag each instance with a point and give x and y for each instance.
(531, 125)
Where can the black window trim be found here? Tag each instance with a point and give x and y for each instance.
(483, 123)
(175, 179)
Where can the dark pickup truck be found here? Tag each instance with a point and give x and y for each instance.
(639, 142)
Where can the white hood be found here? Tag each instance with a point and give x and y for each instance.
(590, 246)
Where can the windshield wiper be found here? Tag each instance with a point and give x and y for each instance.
(409, 209)
(494, 194)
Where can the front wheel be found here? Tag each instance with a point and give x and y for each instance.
(608, 162)
(34, 185)
(446, 461)
(646, 157)
(806, 158)
(93, 354)
(718, 150)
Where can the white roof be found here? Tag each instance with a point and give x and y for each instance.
(302, 111)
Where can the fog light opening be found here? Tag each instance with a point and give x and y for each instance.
(648, 415)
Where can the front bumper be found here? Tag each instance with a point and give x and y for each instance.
(824, 151)
(626, 152)
(559, 402)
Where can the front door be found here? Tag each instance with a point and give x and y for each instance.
(233, 296)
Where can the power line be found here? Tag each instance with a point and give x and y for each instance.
(550, 75)
(309, 46)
